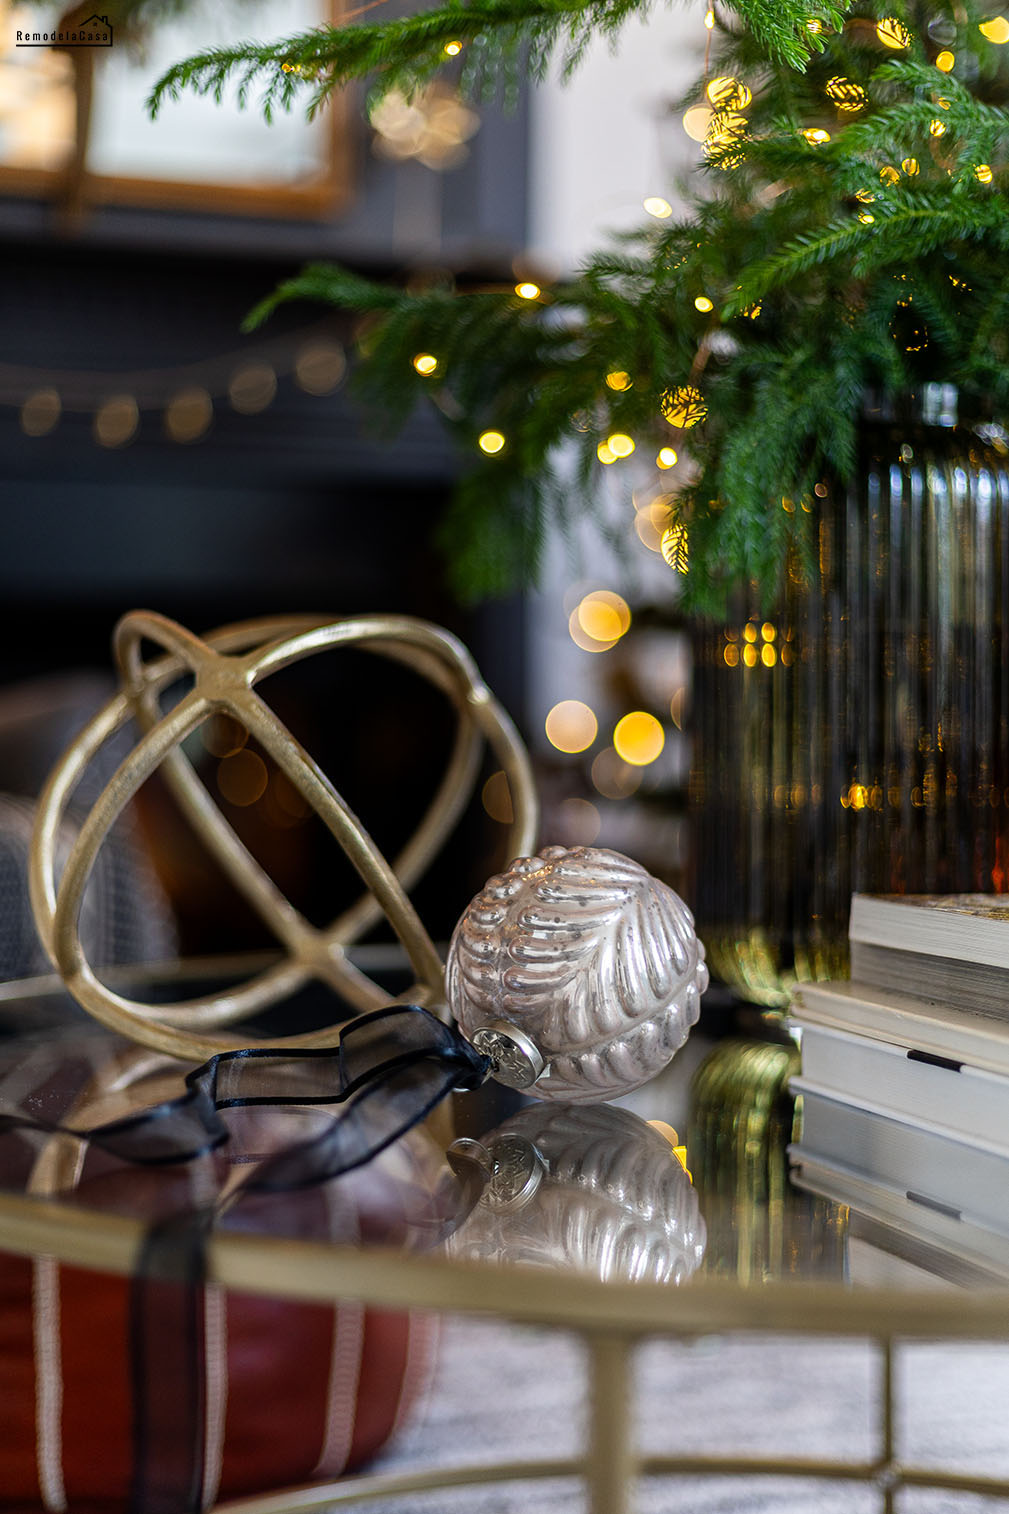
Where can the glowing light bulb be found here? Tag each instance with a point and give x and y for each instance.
(727, 93)
(620, 444)
(815, 26)
(983, 173)
(816, 136)
(945, 61)
(571, 726)
(638, 738)
(846, 94)
(937, 128)
(709, 19)
(888, 174)
(703, 304)
(603, 616)
(996, 30)
(893, 33)
(684, 406)
(453, 49)
(910, 166)
(425, 364)
(491, 442)
(618, 380)
(865, 218)
(675, 547)
(528, 291)
(666, 457)
(658, 207)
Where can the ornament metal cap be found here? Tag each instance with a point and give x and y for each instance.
(516, 1060)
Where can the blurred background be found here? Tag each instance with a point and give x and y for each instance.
(151, 455)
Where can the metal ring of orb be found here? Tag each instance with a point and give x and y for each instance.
(226, 666)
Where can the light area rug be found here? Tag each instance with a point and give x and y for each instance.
(500, 1392)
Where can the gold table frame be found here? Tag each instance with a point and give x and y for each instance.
(611, 1318)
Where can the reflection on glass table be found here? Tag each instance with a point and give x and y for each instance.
(583, 1220)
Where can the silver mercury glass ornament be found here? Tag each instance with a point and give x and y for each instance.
(585, 1186)
(578, 971)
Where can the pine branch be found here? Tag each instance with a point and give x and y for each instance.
(408, 51)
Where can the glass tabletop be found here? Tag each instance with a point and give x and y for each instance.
(679, 1209)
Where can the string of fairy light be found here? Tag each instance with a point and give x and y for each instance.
(184, 397)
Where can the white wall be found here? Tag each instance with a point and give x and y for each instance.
(601, 144)
(605, 140)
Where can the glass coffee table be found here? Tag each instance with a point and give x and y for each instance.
(582, 1220)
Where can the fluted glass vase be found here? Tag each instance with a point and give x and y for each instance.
(858, 737)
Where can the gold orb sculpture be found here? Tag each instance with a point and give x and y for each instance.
(227, 669)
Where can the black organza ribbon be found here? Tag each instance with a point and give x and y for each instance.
(390, 1070)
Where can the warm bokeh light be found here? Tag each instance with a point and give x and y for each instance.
(581, 638)
(996, 30)
(665, 457)
(620, 444)
(709, 19)
(40, 412)
(613, 777)
(242, 778)
(866, 218)
(497, 798)
(889, 175)
(703, 304)
(945, 61)
(189, 415)
(319, 367)
(571, 726)
(252, 388)
(696, 121)
(658, 207)
(651, 521)
(910, 166)
(618, 380)
(816, 136)
(425, 364)
(603, 615)
(638, 738)
(223, 735)
(116, 421)
(579, 822)
(937, 128)
(676, 706)
(491, 442)
(528, 290)
(604, 454)
(983, 173)
(453, 49)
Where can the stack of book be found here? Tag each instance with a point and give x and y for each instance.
(905, 1075)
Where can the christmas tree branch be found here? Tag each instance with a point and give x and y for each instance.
(406, 52)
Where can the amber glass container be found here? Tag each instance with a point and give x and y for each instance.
(857, 738)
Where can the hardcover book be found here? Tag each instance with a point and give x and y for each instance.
(949, 948)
